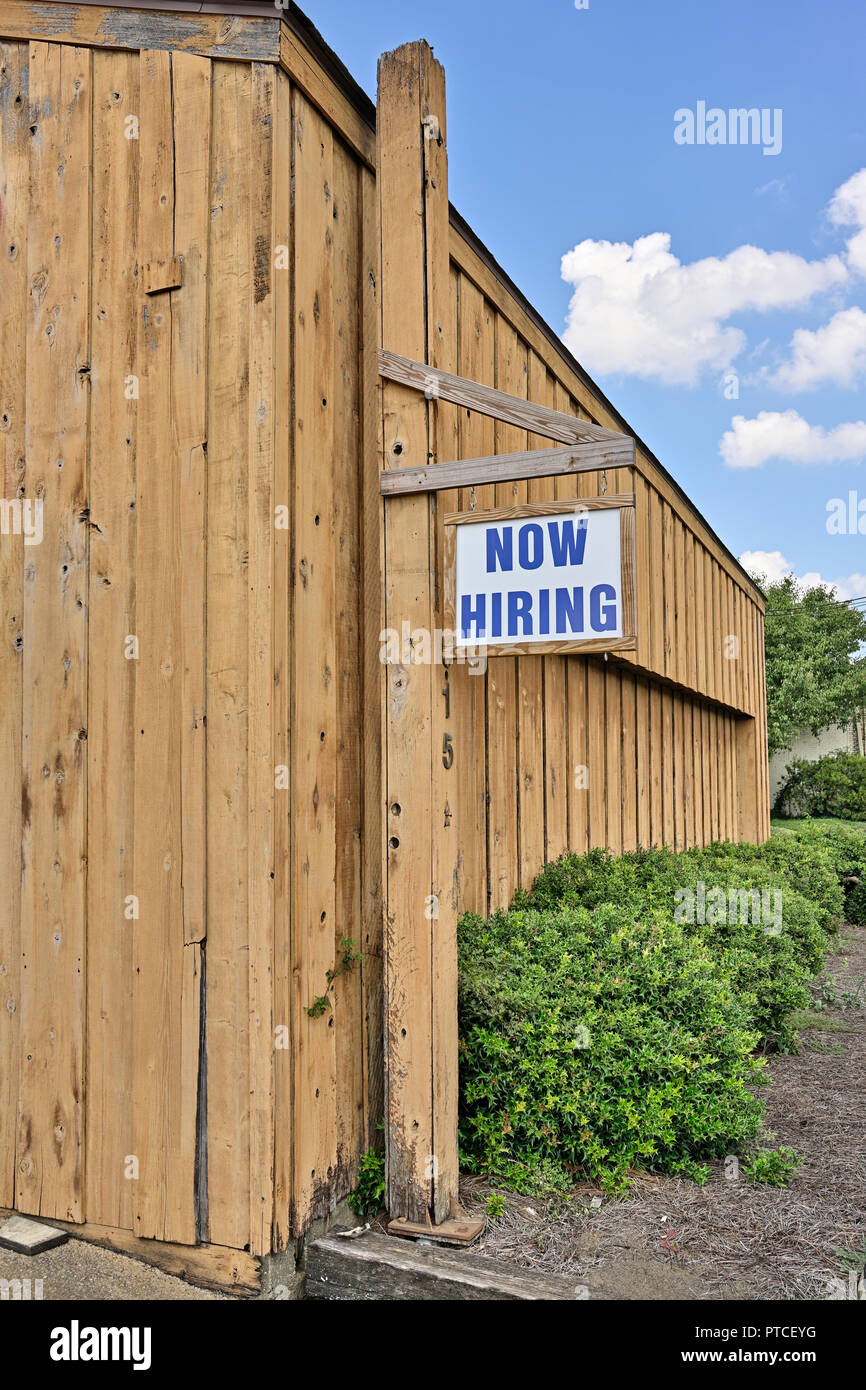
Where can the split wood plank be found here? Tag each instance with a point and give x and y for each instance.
(265, 152)
(409, 752)
(447, 771)
(315, 671)
(420, 955)
(349, 460)
(50, 1177)
(372, 672)
(15, 204)
(169, 696)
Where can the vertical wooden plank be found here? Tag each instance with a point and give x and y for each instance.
(689, 616)
(747, 779)
(448, 715)
(666, 754)
(668, 584)
(700, 618)
(507, 772)
(347, 1007)
(314, 726)
(530, 676)
(630, 829)
(421, 961)
(111, 734)
(409, 750)
(282, 1022)
(680, 791)
(706, 760)
(690, 790)
(614, 790)
(657, 610)
(50, 1178)
(644, 570)
(682, 665)
(231, 263)
(553, 754)
(476, 361)
(710, 626)
(643, 757)
(261, 791)
(698, 786)
(578, 755)
(14, 219)
(656, 756)
(170, 687)
(596, 749)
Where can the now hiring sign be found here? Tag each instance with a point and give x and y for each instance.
(539, 579)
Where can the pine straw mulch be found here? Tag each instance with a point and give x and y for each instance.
(728, 1239)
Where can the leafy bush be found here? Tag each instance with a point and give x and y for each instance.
(368, 1197)
(591, 1041)
(845, 849)
(775, 1167)
(834, 785)
(608, 1024)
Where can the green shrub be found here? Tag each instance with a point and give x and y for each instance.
(593, 1042)
(834, 785)
(775, 1167)
(609, 1019)
(844, 847)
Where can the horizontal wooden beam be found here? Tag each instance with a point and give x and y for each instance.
(529, 509)
(211, 1266)
(616, 451)
(513, 410)
(253, 39)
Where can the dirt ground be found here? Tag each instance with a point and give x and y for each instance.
(729, 1239)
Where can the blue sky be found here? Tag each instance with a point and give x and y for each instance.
(686, 262)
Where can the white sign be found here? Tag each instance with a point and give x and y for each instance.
(539, 579)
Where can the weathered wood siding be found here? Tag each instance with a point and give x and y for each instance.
(189, 322)
(180, 838)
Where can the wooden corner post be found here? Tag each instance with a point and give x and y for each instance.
(422, 812)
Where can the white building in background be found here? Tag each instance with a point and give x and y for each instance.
(839, 738)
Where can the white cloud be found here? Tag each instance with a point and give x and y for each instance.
(770, 563)
(786, 435)
(638, 309)
(834, 353)
(848, 209)
(773, 566)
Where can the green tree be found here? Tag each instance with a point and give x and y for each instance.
(816, 674)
